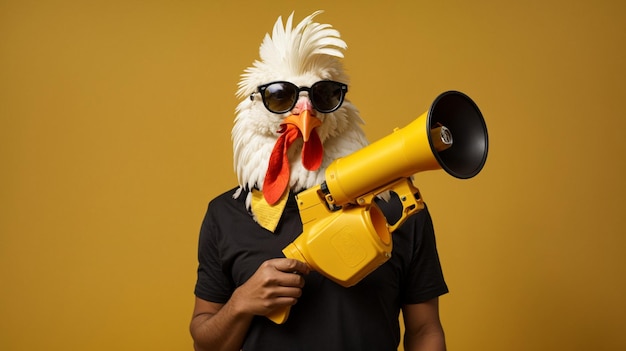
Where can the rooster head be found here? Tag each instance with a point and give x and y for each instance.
(294, 118)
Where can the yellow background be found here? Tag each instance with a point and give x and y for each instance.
(115, 121)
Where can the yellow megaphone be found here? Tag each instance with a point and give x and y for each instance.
(345, 235)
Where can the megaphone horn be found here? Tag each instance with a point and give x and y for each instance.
(464, 136)
(451, 135)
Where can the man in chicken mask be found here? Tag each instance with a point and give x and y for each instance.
(293, 121)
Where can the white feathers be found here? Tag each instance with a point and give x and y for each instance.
(304, 54)
(308, 48)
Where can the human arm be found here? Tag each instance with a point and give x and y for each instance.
(423, 330)
(274, 285)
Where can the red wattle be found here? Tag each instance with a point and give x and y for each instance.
(278, 170)
(312, 152)
(277, 176)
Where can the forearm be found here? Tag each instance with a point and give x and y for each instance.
(224, 330)
(276, 284)
(426, 339)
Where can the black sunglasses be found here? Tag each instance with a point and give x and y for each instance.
(279, 97)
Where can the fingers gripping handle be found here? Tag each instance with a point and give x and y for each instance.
(280, 315)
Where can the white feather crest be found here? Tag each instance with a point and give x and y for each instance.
(289, 51)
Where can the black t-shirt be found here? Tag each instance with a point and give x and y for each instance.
(327, 316)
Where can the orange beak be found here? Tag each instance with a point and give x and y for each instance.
(305, 122)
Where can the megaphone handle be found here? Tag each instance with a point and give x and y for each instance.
(409, 196)
(280, 315)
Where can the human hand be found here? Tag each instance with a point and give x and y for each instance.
(276, 283)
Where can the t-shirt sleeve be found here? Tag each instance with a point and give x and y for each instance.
(424, 278)
(212, 283)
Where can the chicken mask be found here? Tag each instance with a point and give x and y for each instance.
(289, 151)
